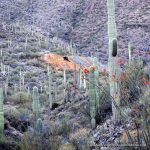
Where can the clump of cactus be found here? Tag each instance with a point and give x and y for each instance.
(36, 102)
(1, 112)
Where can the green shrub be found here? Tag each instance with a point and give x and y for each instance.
(22, 99)
(131, 87)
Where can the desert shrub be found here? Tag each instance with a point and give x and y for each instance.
(24, 111)
(64, 128)
(12, 113)
(4, 45)
(131, 84)
(43, 45)
(43, 98)
(33, 142)
(10, 61)
(59, 51)
(34, 62)
(145, 99)
(28, 55)
(59, 74)
(68, 146)
(2, 35)
(80, 138)
(8, 143)
(22, 99)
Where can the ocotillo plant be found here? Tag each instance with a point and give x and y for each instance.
(112, 65)
(92, 97)
(1, 112)
(36, 102)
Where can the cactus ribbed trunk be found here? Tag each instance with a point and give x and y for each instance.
(1, 112)
(38, 127)
(112, 65)
(80, 77)
(36, 102)
(96, 73)
(129, 50)
(92, 98)
(50, 89)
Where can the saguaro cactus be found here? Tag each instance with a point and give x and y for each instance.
(1, 112)
(79, 77)
(39, 127)
(26, 42)
(112, 65)
(21, 81)
(1, 53)
(96, 73)
(36, 102)
(64, 71)
(129, 51)
(6, 86)
(92, 97)
(50, 89)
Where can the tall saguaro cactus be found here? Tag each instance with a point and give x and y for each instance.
(92, 97)
(129, 50)
(50, 88)
(38, 127)
(112, 65)
(96, 73)
(36, 102)
(21, 81)
(1, 112)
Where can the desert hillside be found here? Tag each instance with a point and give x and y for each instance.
(74, 74)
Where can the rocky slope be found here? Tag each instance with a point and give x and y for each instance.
(84, 22)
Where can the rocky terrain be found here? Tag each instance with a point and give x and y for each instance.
(31, 28)
(84, 22)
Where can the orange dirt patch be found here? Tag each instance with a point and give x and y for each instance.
(58, 61)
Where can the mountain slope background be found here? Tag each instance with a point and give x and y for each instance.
(84, 22)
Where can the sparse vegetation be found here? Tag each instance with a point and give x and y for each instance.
(60, 89)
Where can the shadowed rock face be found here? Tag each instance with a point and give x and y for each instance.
(85, 22)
